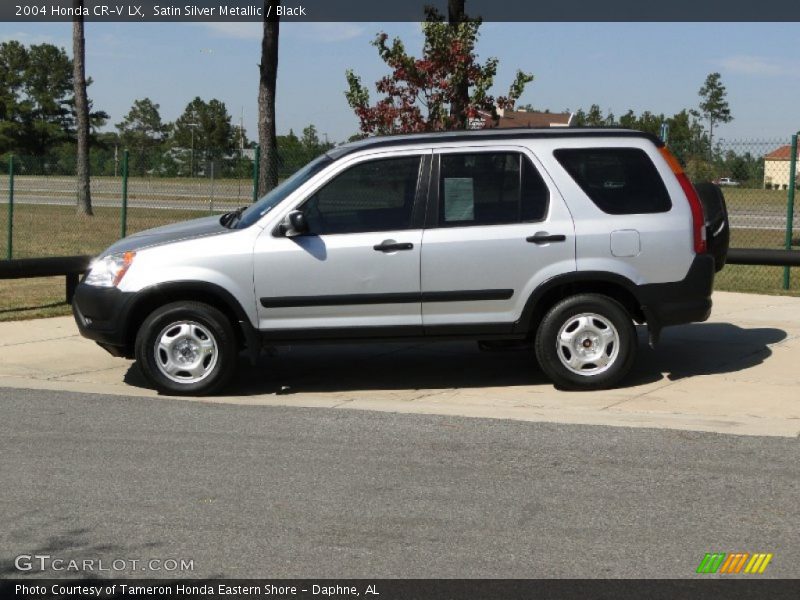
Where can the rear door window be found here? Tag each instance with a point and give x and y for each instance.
(490, 188)
(620, 181)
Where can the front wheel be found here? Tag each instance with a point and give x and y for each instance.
(586, 342)
(187, 348)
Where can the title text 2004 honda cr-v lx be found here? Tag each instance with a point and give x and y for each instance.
(564, 238)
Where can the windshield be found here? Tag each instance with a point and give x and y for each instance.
(280, 193)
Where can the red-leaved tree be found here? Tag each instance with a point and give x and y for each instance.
(422, 94)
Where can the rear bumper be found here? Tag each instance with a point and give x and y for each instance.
(101, 316)
(685, 301)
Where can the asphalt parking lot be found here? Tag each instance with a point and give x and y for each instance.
(737, 374)
(272, 491)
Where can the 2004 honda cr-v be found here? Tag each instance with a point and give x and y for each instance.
(562, 237)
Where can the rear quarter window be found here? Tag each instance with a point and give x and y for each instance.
(620, 181)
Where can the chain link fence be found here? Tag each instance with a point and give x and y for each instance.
(47, 223)
(177, 185)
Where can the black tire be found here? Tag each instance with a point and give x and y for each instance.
(200, 322)
(571, 312)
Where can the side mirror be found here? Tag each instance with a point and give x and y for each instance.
(294, 224)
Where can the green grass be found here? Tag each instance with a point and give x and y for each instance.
(41, 230)
(757, 279)
(741, 199)
(753, 279)
(758, 238)
(58, 231)
(32, 298)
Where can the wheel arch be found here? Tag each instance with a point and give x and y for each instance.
(151, 298)
(613, 285)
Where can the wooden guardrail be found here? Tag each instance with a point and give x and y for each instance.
(71, 267)
(763, 256)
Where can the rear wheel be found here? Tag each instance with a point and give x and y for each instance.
(586, 342)
(187, 348)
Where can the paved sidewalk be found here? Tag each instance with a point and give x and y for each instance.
(738, 373)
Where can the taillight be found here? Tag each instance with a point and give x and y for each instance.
(698, 216)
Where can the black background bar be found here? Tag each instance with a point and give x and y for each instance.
(411, 10)
(728, 588)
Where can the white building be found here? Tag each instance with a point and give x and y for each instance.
(776, 168)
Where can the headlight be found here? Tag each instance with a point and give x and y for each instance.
(109, 270)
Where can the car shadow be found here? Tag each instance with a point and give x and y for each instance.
(702, 349)
(684, 351)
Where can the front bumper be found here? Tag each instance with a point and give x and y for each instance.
(101, 315)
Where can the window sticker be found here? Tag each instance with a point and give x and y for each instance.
(459, 199)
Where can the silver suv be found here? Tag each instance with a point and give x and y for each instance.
(563, 238)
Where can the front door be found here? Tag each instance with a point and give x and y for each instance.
(358, 266)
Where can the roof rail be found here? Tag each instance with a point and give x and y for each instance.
(487, 134)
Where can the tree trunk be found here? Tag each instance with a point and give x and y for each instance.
(711, 137)
(268, 168)
(81, 112)
(458, 109)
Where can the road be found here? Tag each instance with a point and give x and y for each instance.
(770, 220)
(158, 202)
(248, 491)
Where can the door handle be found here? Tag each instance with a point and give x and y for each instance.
(543, 238)
(393, 246)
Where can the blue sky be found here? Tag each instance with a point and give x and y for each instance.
(643, 66)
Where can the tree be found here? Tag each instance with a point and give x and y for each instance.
(458, 108)
(81, 110)
(291, 154)
(713, 105)
(687, 136)
(142, 128)
(143, 132)
(204, 129)
(37, 100)
(311, 143)
(531, 108)
(431, 83)
(268, 75)
(240, 137)
(104, 154)
(650, 122)
(593, 118)
(13, 61)
(44, 114)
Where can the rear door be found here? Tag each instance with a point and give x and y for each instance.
(496, 228)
